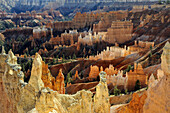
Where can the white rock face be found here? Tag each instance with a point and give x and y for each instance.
(158, 94)
(36, 73)
(101, 99)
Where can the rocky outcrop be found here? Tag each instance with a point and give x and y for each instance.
(135, 105)
(94, 72)
(20, 97)
(74, 88)
(60, 82)
(133, 76)
(101, 98)
(156, 99)
(106, 21)
(120, 32)
(151, 25)
(36, 73)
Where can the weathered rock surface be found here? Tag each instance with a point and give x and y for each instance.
(20, 97)
(156, 99)
(36, 73)
(120, 32)
(101, 99)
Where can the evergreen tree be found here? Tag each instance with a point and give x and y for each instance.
(129, 68)
(126, 91)
(23, 67)
(53, 61)
(68, 79)
(69, 57)
(29, 64)
(74, 56)
(63, 58)
(137, 85)
(116, 91)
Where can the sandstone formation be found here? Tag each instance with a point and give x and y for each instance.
(94, 72)
(110, 71)
(38, 33)
(90, 39)
(140, 46)
(133, 76)
(102, 95)
(60, 83)
(36, 73)
(76, 76)
(87, 20)
(111, 53)
(135, 105)
(34, 97)
(160, 86)
(120, 32)
(106, 21)
(118, 80)
(156, 98)
(47, 78)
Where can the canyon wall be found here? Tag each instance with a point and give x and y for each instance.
(83, 20)
(120, 32)
(133, 76)
(106, 20)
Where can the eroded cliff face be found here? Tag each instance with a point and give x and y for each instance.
(34, 97)
(156, 99)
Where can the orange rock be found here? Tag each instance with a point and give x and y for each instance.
(49, 81)
(94, 72)
(135, 105)
(46, 76)
(120, 32)
(60, 86)
(107, 19)
(76, 76)
(111, 71)
(133, 76)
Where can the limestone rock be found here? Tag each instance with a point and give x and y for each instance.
(60, 86)
(48, 103)
(101, 98)
(157, 96)
(166, 59)
(36, 73)
(120, 32)
(158, 99)
(47, 78)
(135, 105)
(3, 51)
(94, 72)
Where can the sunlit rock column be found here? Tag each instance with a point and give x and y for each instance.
(59, 85)
(36, 73)
(101, 98)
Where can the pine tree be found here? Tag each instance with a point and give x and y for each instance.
(137, 85)
(68, 78)
(74, 56)
(116, 91)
